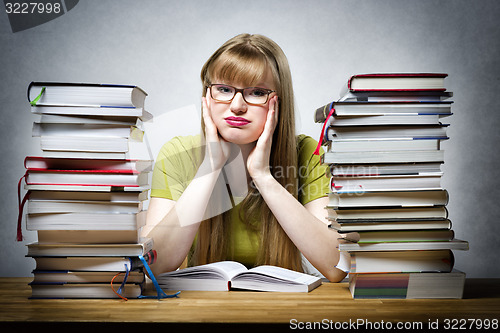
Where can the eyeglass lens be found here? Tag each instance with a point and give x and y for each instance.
(253, 95)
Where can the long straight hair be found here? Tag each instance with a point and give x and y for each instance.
(246, 59)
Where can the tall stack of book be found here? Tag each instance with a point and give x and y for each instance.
(383, 148)
(85, 191)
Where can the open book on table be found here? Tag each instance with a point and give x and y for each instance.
(230, 275)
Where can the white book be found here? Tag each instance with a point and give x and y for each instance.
(394, 96)
(387, 214)
(86, 188)
(383, 169)
(376, 157)
(86, 178)
(58, 194)
(397, 81)
(385, 119)
(100, 120)
(85, 94)
(395, 236)
(382, 145)
(455, 244)
(86, 154)
(404, 109)
(227, 275)
(345, 227)
(386, 183)
(386, 132)
(37, 249)
(86, 221)
(92, 111)
(98, 264)
(389, 199)
(401, 261)
(80, 206)
(96, 148)
(63, 130)
(115, 145)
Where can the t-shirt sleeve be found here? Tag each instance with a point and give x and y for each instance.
(175, 167)
(313, 183)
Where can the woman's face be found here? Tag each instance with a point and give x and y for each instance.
(237, 121)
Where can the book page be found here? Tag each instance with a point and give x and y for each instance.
(284, 274)
(230, 268)
(223, 269)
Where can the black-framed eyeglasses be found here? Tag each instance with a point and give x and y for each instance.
(252, 95)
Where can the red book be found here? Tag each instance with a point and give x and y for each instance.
(88, 164)
(397, 82)
(86, 172)
(86, 178)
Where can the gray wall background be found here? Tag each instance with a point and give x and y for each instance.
(161, 46)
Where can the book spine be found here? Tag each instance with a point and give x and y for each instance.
(321, 113)
(443, 75)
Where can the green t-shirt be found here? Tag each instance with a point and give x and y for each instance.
(178, 162)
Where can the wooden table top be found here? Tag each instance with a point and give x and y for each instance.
(331, 302)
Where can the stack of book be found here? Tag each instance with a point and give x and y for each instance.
(383, 148)
(86, 190)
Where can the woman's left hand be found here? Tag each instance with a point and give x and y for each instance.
(258, 159)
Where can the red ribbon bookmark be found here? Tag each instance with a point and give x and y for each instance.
(320, 142)
(20, 203)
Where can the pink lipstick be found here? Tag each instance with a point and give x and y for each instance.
(236, 121)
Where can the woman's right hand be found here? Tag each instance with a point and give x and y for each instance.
(217, 150)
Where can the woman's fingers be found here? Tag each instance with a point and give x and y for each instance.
(258, 161)
(210, 128)
(217, 149)
(271, 121)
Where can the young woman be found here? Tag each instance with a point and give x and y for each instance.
(248, 189)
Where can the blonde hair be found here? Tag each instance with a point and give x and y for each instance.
(245, 59)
